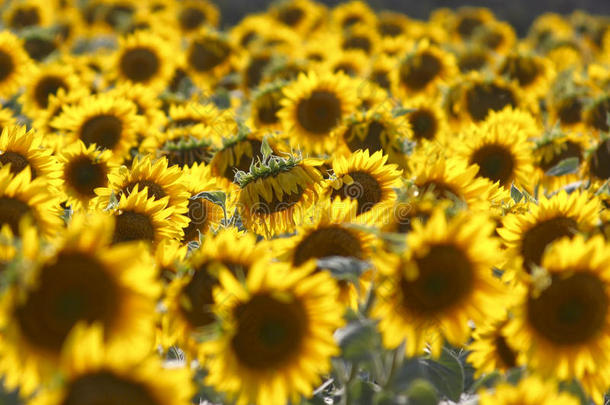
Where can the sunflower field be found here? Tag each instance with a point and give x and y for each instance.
(317, 205)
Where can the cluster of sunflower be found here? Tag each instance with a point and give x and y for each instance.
(312, 206)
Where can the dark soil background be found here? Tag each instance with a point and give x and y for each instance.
(519, 13)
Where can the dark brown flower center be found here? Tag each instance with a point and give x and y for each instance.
(365, 189)
(268, 105)
(570, 111)
(85, 175)
(372, 140)
(418, 71)
(199, 299)
(291, 16)
(270, 332)
(329, 241)
(47, 86)
(140, 64)
(75, 287)
(382, 78)
(467, 25)
(568, 150)
(483, 97)
(524, 70)
(357, 42)
(506, 354)
(191, 18)
(255, 70)
(204, 55)
(133, 226)
(600, 160)
(154, 190)
(536, 239)
(320, 112)
(24, 17)
(445, 277)
(104, 130)
(390, 29)
(39, 48)
(424, 124)
(495, 162)
(187, 155)
(200, 214)
(472, 61)
(598, 115)
(244, 160)
(105, 388)
(571, 310)
(7, 66)
(17, 161)
(11, 212)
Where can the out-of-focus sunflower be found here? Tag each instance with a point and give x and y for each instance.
(552, 150)
(444, 280)
(7, 118)
(527, 123)
(351, 62)
(250, 30)
(83, 169)
(345, 15)
(528, 234)
(44, 81)
(208, 57)
(22, 149)
(140, 218)
(195, 115)
(15, 64)
(409, 208)
(562, 321)
(28, 14)
(195, 14)
(366, 178)
(428, 121)
(467, 20)
(595, 115)
(85, 281)
(598, 162)
(147, 103)
(265, 105)
(496, 36)
(109, 122)
(380, 72)
(183, 148)
(314, 106)
(276, 194)
(299, 15)
(169, 258)
(532, 73)
(392, 24)
(473, 58)
(549, 27)
(531, 390)
(359, 37)
(276, 334)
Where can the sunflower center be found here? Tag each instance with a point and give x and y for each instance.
(598, 117)
(187, 155)
(445, 277)
(291, 16)
(288, 200)
(358, 42)
(467, 25)
(47, 86)
(245, 159)
(104, 387)
(140, 64)
(25, 17)
(420, 70)
(600, 161)
(495, 163)
(154, 190)
(39, 48)
(104, 130)
(524, 70)
(255, 70)
(268, 107)
(423, 123)
(351, 20)
(505, 353)
(365, 189)
(569, 150)
(269, 332)
(198, 308)
(17, 161)
(325, 242)
(133, 226)
(389, 29)
(190, 18)
(76, 287)
(207, 54)
(493, 39)
(199, 215)
(541, 235)
(84, 175)
(346, 68)
(11, 212)
(472, 61)
(6, 65)
(571, 310)
(484, 97)
(320, 112)
(570, 111)
(371, 141)
(439, 190)
(381, 77)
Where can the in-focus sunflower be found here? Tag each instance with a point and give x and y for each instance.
(140, 218)
(14, 64)
(444, 280)
(563, 322)
(195, 14)
(23, 149)
(528, 234)
(109, 122)
(531, 390)
(144, 58)
(314, 106)
(428, 121)
(85, 281)
(276, 334)
(44, 81)
(366, 178)
(276, 194)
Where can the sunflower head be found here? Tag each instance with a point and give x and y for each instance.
(14, 63)
(423, 68)
(531, 390)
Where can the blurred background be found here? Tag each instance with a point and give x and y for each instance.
(519, 13)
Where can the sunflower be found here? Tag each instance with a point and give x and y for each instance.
(23, 149)
(533, 74)
(502, 154)
(444, 280)
(265, 106)
(496, 36)
(531, 390)
(202, 214)
(552, 150)
(164, 184)
(90, 374)
(209, 57)
(139, 217)
(276, 334)
(467, 20)
(15, 63)
(428, 121)
(109, 122)
(250, 30)
(300, 15)
(195, 115)
(596, 114)
(423, 69)
(195, 14)
(381, 72)
(144, 58)
(599, 161)
(314, 106)
(416, 207)
(189, 299)
(83, 281)
(347, 14)
(45, 81)
(527, 123)
(359, 37)
(547, 28)
(183, 147)
(473, 58)
(6, 118)
(562, 322)
(350, 62)
(147, 103)
(28, 14)
(276, 194)
(528, 234)
(392, 24)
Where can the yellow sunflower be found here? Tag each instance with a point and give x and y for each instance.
(598, 162)
(365, 178)
(563, 322)
(467, 20)
(44, 81)
(183, 147)
(83, 281)
(496, 36)
(28, 14)
(359, 37)
(109, 122)
(444, 280)
(147, 103)
(208, 57)
(428, 121)
(195, 115)
(300, 15)
(276, 336)
(353, 12)
(353, 63)
(7, 118)
(313, 107)
(532, 73)
(195, 14)
(473, 58)
(380, 72)
(265, 106)
(549, 152)
(531, 390)
(528, 234)
(392, 24)
(275, 195)
(15, 64)
(595, 115)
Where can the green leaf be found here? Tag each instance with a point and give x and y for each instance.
(515, 194)
(486, 381)
(360, 392)
(266, 149)
(446, 374)
(574, 388)
(358, 340)
(400, 111)
(566, 166)
(421, 392)
(344, 268)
